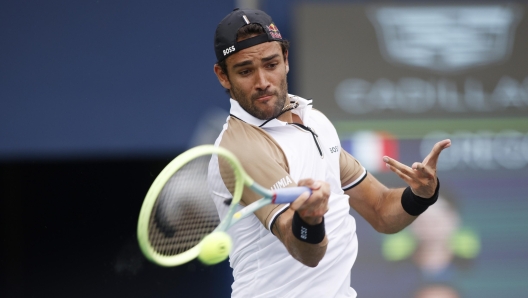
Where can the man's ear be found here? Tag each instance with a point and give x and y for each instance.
(286, 62)
(222, 77)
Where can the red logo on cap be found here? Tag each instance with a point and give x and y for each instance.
(274, 31)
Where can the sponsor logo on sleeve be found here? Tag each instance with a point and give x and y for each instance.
(282, 183)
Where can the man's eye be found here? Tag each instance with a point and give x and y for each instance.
(244, 72)
(272, 65)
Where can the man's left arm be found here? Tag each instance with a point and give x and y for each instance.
(382, 207)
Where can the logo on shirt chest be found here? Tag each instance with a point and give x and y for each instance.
(334, 149)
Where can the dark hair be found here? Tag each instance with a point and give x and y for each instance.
(246, 32)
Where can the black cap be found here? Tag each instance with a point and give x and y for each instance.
(225, 42)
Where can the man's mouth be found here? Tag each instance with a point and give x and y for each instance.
(264, 97)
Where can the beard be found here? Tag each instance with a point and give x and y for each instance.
(247, 101)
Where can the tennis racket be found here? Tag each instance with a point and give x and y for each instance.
(179, 209)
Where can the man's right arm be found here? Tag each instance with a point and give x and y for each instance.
(311, 210)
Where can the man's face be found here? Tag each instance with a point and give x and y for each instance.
(257, 79)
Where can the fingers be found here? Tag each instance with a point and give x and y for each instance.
(416, 176)
(397, 167)
(427, 167)
(432, 158)
(295, 205)
(305, 182)
(315, 186)
(312, 207)
(421, 168)
(421, 177)
(400, 173)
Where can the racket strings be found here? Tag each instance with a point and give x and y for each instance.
(184, 211)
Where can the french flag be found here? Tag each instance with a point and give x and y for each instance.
(369, 147)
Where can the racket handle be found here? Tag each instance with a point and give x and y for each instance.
(288, 194)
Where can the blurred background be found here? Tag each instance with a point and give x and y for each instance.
(97, 96)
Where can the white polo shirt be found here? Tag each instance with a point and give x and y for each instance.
(274, 154)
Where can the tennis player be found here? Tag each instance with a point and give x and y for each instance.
(306, 248)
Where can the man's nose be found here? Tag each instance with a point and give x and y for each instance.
(262, 82)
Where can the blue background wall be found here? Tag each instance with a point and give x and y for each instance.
(105, 78)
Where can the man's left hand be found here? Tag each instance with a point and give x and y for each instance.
(421, 177)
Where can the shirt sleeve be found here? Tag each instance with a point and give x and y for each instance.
(352, 172)
(262, 159)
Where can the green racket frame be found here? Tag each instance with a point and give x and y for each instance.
(158, 184)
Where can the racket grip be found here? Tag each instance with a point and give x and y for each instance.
(289, 194)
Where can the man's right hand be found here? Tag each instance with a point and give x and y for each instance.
(312, 208)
